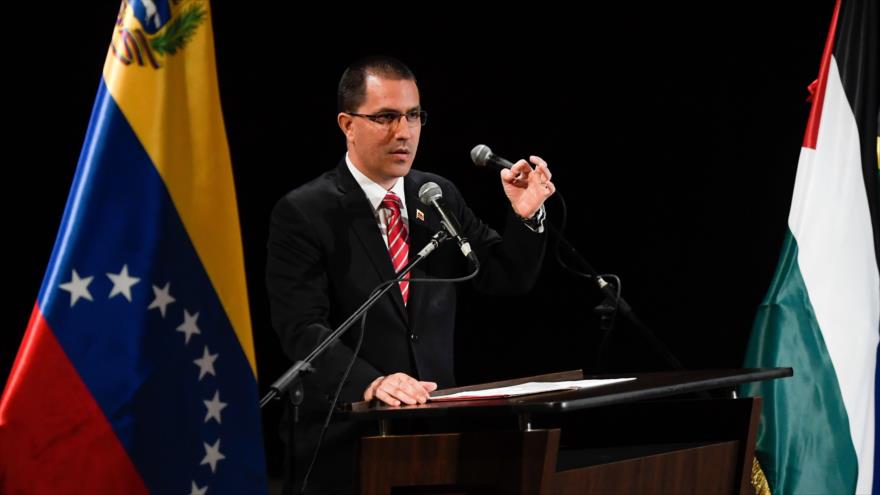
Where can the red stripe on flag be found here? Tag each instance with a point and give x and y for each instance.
(53, 436)
(818, 97)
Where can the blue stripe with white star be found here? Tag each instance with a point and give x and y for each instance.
(133, 308)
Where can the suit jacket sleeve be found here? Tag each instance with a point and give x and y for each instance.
(296, 279)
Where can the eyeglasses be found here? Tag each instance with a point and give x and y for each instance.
(388, 119)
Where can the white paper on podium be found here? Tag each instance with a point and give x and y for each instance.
(528, 388)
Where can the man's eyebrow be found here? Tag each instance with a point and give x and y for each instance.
(394, 110)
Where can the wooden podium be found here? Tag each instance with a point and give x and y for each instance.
(660, 433)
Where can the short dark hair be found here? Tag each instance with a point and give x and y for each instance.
(352, 89)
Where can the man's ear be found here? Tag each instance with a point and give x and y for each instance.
(345, 122)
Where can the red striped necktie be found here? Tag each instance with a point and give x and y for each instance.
(398, 239)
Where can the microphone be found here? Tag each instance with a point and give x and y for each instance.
(482, 156)
(430, 194)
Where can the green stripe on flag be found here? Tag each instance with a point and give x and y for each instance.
(804, 441)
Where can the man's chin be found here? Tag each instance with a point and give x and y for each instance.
(400, 168)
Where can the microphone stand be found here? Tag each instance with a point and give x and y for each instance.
(614, 302)
(291, 382)
(482, 156)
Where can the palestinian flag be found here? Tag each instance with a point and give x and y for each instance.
(821, 315)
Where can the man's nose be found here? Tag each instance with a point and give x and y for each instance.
(401, 128)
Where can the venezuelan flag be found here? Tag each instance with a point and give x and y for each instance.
(137, 370)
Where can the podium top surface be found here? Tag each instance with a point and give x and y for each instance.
(645, 386)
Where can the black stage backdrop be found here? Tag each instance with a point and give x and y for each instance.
(673, 133)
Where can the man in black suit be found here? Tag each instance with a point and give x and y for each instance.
(334, 239)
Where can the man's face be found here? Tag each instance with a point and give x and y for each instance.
(383, 152)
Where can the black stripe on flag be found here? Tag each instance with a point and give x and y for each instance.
(857, 55)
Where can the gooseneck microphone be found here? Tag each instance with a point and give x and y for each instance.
(430, 194)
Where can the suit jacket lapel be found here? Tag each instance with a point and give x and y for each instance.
(419, 235)
(363, 223)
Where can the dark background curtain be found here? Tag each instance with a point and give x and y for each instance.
(672, 131)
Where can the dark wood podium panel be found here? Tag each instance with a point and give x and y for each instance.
(502, 463)
(623, 439)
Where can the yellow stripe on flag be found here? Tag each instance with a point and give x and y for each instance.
(174, 109)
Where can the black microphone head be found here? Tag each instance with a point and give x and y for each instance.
(430, 192)
(480, 155)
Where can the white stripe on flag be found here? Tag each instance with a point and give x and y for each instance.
(831, 222)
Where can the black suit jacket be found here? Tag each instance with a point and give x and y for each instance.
(326, 255)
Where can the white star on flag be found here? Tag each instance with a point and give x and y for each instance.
(122, 283)
(206, 363)
(198, 491)
(189, 326)
(163, 298)
(78, 288)
(213, 455)
(214, 407)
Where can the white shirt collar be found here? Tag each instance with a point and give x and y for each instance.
(374, 192)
